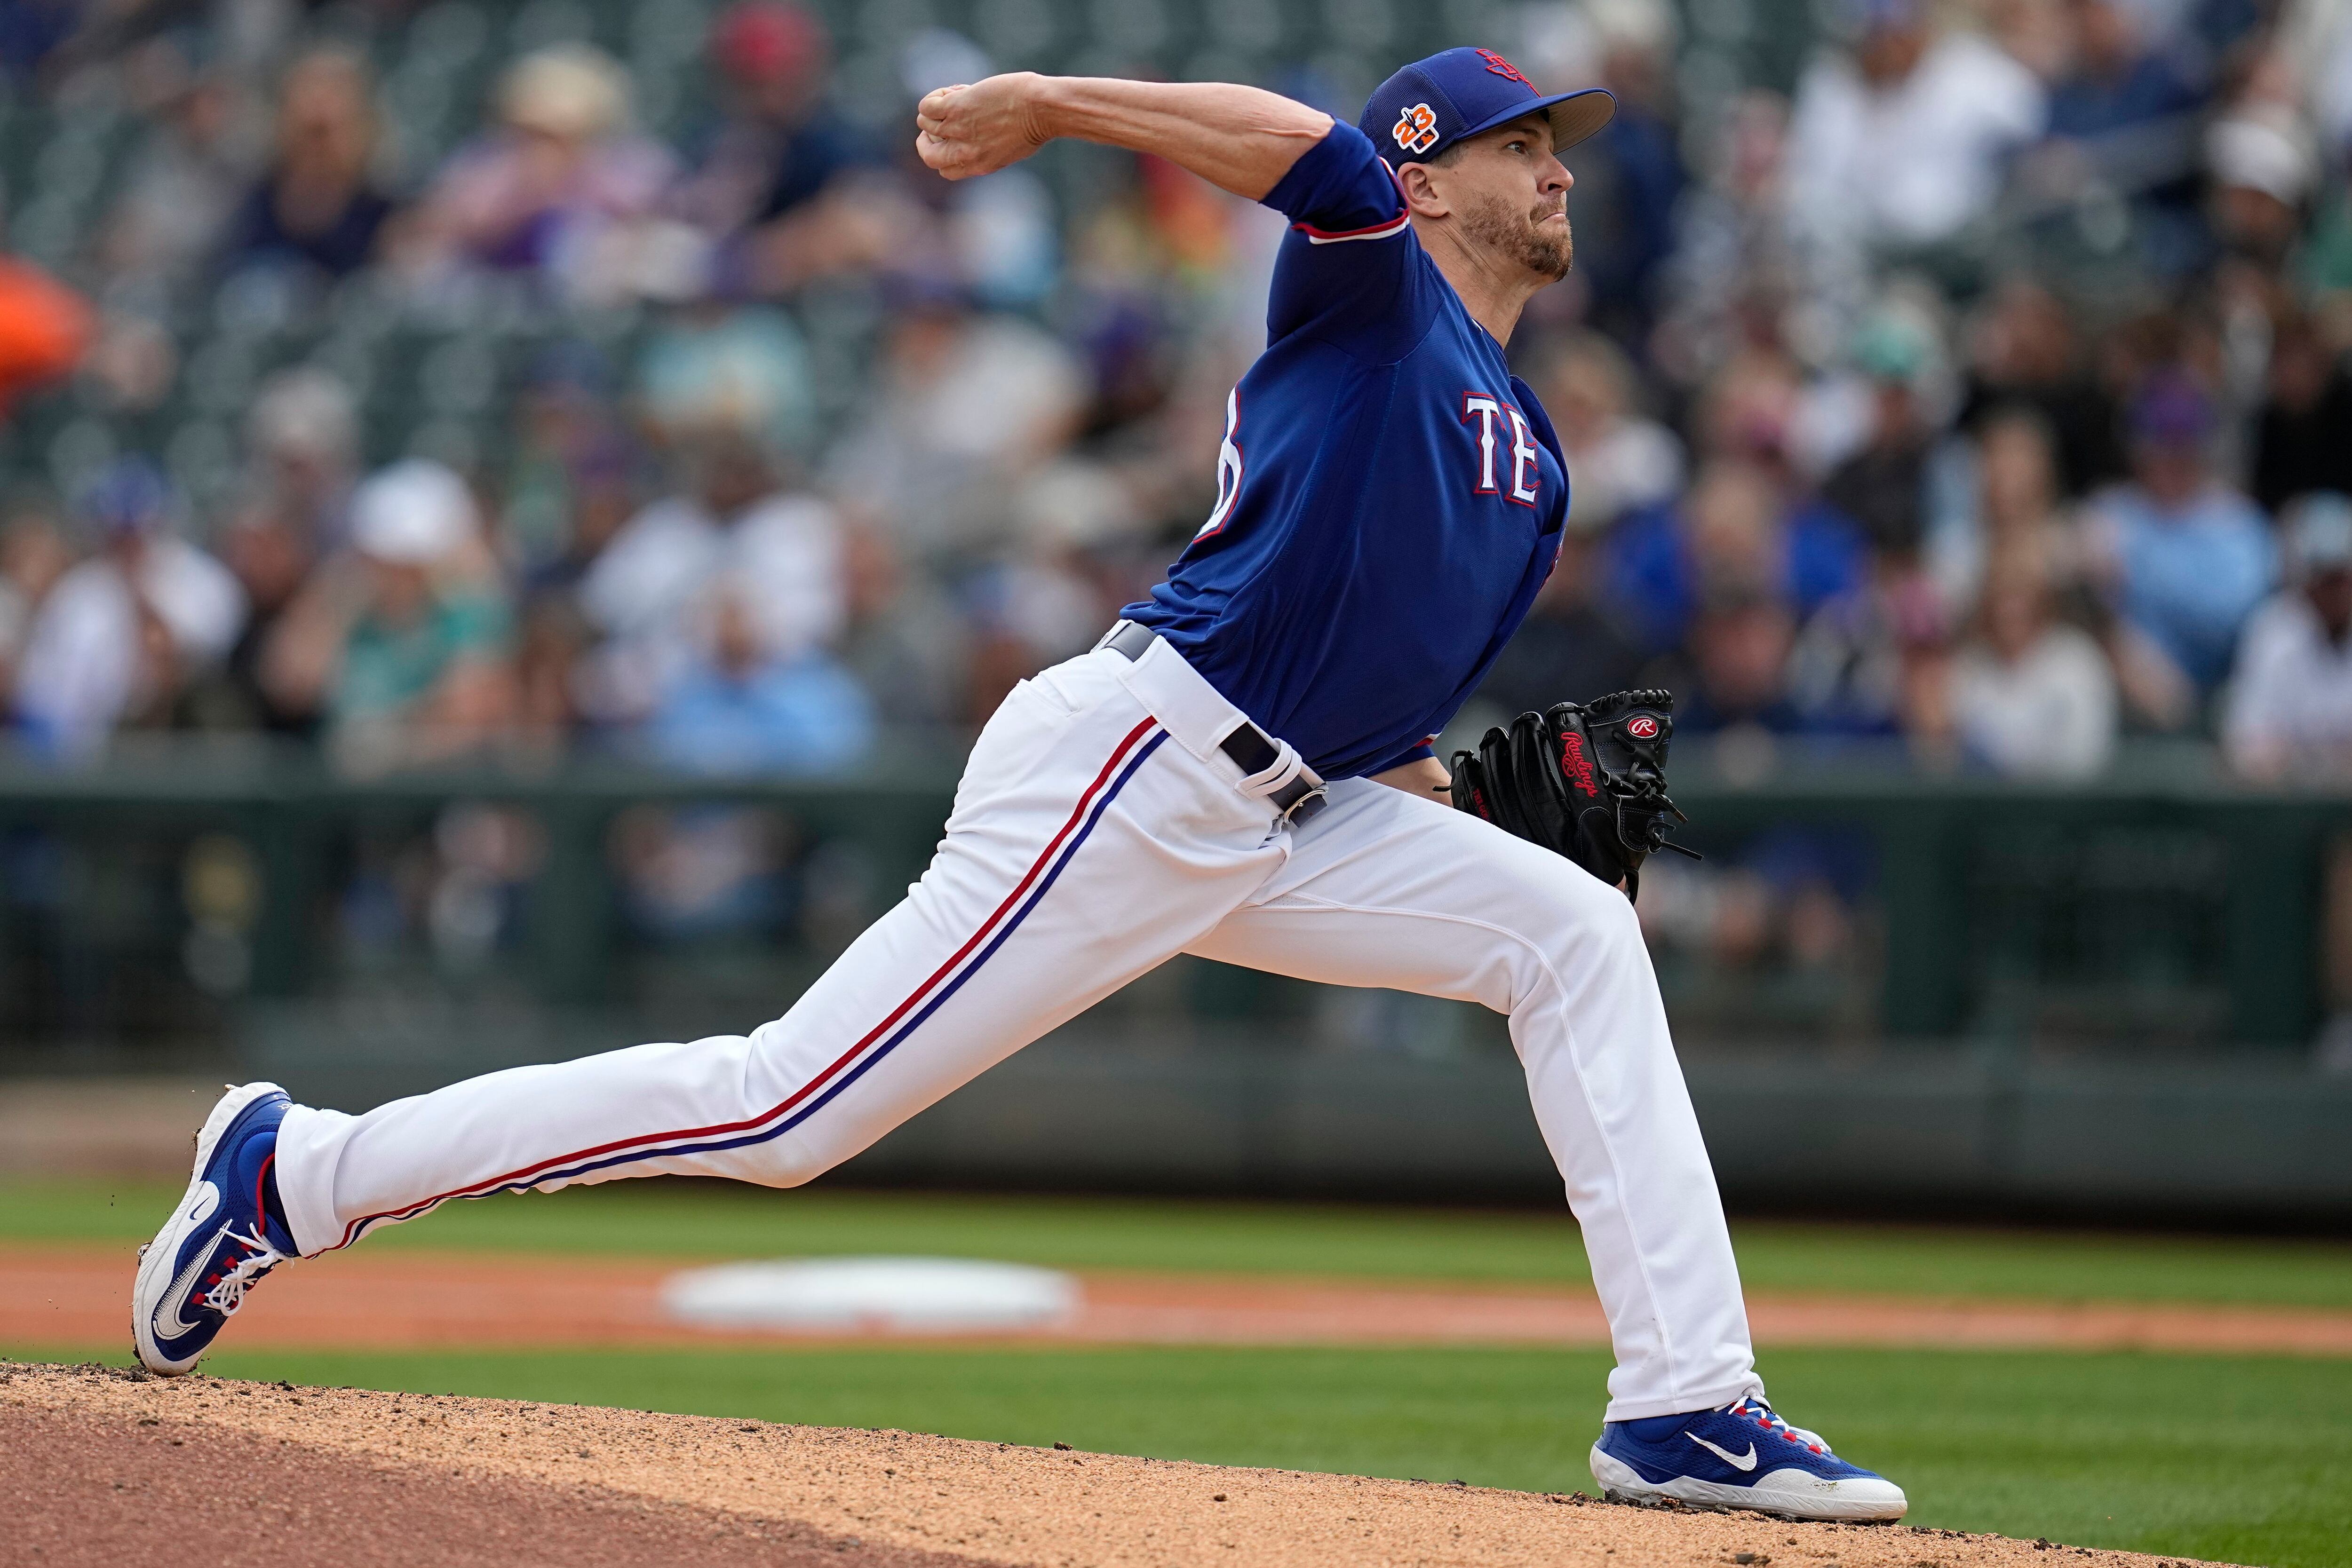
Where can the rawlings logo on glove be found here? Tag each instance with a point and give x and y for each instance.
(1587, 780)
(1573, 762)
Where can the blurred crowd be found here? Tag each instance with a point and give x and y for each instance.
(1984, 399)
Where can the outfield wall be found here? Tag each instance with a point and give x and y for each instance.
(1941, 1131)
(2014, 1000)
(1952, 1130)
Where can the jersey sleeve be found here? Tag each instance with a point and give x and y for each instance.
(1350, 271)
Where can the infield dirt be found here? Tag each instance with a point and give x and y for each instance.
(113, 1467)
(59, 1294)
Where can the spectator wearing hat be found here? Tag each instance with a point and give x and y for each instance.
(2290, 704)
(302, 454)
(1882, 487)
(2183, 557)
(400, 645)
(769, 172)
(561, 187)
(2264, 171)
(318, 209)
(123, 634)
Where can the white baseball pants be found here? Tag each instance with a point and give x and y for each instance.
(1098, 831)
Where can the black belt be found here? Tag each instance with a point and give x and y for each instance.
(1251, 749)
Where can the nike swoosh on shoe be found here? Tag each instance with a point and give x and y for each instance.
(1737, 1461)
(169, 1320)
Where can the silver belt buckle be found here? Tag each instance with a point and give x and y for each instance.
(1305, 806)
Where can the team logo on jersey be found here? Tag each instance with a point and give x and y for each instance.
(1642, 728)
(1416, 129)
(1503, 68)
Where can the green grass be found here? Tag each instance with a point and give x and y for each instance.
(2239, 1459)
(2235, 1459)
(705, 1219)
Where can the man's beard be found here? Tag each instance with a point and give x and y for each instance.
(1522, 238)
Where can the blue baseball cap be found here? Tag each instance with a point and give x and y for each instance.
(1455, 94)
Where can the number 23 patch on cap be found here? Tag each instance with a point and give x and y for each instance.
(1416, 129)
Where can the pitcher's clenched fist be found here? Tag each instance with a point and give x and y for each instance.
(968, 130)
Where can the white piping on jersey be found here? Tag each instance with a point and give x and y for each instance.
(1390, 230)
(1382, 231)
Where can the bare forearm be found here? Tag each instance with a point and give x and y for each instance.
(1241, 138)
(1244, 139)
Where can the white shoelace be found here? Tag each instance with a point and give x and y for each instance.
(229, 1294)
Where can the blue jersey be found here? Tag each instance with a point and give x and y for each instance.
(1389, 494)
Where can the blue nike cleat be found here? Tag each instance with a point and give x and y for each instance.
(218, 1242)
(1743, 1456)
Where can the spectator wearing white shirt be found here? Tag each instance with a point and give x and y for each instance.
(1904, 143)
(122, 635)
(733, 517)
(2289, 705)
(2031, 697)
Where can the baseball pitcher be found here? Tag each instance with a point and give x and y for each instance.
(1241, 769)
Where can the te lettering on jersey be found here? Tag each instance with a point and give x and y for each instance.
(1491, 414)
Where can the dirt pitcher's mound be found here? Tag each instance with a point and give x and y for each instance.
(111, 1467)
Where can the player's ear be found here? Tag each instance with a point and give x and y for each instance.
(1422, 195)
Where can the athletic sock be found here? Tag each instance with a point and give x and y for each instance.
(255, 1169)
(273, 1207)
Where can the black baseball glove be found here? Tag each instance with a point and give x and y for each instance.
(1586, 780)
